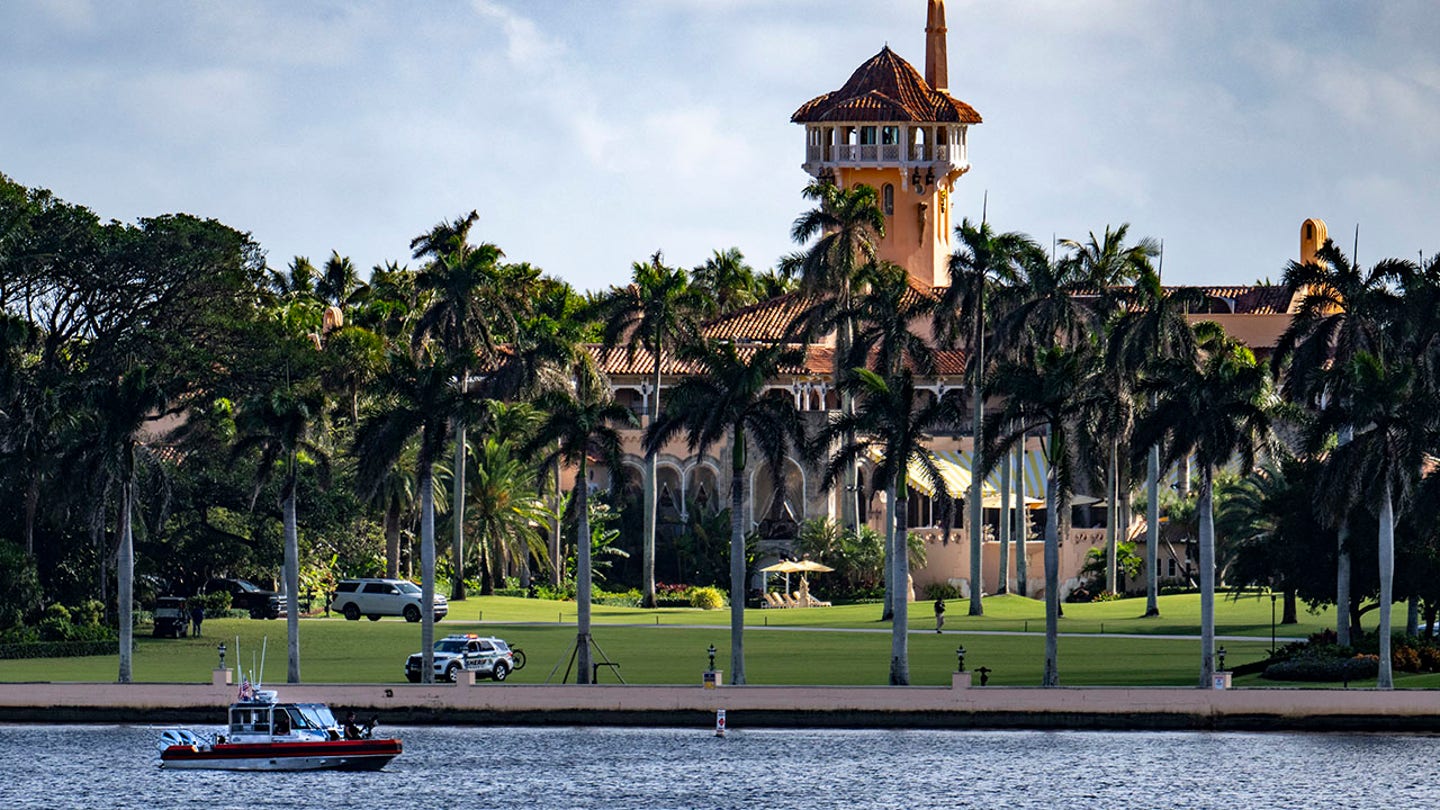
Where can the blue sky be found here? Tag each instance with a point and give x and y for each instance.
(590, 133)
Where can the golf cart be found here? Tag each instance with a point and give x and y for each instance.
(172, 618)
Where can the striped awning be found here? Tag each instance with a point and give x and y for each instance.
(1033, 468)
(956, 478)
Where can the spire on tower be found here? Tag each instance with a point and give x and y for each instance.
(937, 62)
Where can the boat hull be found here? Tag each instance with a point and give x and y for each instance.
(331, 755)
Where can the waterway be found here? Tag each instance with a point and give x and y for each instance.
(564, 767)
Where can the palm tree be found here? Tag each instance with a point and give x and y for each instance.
(730, 397)
(982, 260)
(505, 509)
(117, 409)
(726, 282)
(849, 224)
(578, 423)
(1150, 327)
(416, 397)
(892, 420)
(283, 424)
(659, 306)
(1216, 410)
(471, 298)
(885, 315)
(1107, 262)
(1343, 311)
(1051, 388)
(1397, 426)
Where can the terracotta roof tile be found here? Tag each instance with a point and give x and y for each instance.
(886, 88)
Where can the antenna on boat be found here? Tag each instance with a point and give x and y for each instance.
(264, 642)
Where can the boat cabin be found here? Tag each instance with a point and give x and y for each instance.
(299, 721)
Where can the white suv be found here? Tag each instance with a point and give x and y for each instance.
(373, 598)
(486, 656)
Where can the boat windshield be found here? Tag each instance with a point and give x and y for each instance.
(317, 715)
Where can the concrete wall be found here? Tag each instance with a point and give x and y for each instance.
(799, 706)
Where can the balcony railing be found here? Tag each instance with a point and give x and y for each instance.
(889, 154)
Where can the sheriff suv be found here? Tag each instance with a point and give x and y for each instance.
(373, 598)
(486, 656)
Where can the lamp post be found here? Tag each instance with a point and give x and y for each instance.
(1272, 625)
(960, 658)
(1220, 655)
(221, 649)
(711, 651)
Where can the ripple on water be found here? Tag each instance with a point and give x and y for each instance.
(684, 769)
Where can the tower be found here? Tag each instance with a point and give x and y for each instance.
(904, 135)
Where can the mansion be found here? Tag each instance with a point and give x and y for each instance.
(901, 132)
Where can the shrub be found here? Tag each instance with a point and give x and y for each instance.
(942, 590)
(1324, 669)
(1405, 659)
(1429, 658)
(707, 598)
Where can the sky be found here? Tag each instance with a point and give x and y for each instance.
(590, 133)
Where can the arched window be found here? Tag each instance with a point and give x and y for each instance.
(887, 199)
(1309, 230)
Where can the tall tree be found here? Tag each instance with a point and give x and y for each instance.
(846, 225)
(726, 282)
(1343, 311)
(116, 411)
(729, 396)
(982, 261)
(887, 314)
(416, 398)
(471, 298)
(1108, 263)
(283, 425)
(1053, 389)
(1216, 410)
(658, 308)
(578, 423)
(890, 418)
(1149, 328)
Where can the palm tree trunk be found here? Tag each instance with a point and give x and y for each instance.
(457, 509)
(1022, 523)
(647, 550)
(900, 625)
(557, 561)
(977, 511)
(125, 589)
(1206, 515)
(1412, 616)
(1052, 577)
(1386, 678)
(737, 556)
(1112, 515)
(1152, 533)
(583, 577)
(1002, 580)
(392, 537)
(890, 589)
(427, 575)
(292, 581)
(32, 504)
(1290, 613)
(1342, 568)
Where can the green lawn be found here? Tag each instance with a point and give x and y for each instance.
(824, 646)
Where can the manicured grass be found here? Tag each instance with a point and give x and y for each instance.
(843, 645)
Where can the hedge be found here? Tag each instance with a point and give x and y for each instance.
(57, 649)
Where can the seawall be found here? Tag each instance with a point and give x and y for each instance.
(959, 706)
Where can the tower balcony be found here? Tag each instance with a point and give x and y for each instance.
(938, 148)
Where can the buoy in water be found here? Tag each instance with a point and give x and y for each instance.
(719, 722)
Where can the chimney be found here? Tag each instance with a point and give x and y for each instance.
(937, 69)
